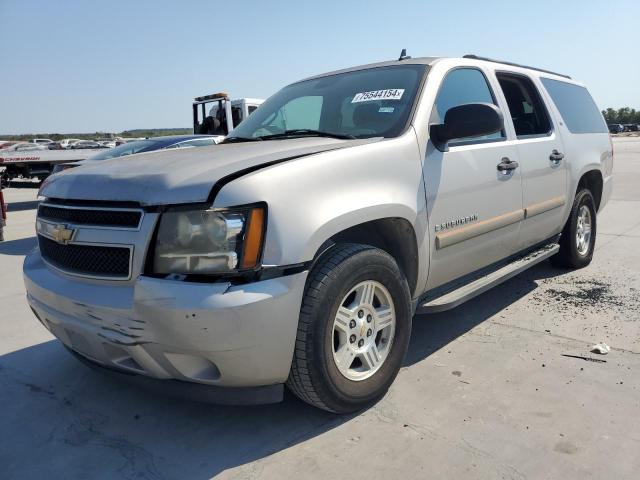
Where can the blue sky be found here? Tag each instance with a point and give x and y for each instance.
(86, 66)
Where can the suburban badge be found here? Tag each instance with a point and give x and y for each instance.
(457, 222)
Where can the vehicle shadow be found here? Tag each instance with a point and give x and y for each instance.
(20, 246)
(432, 332)
(21, 206)
(104, 428)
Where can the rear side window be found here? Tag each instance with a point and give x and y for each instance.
(528, 113)
(577, 108)
(459, 87)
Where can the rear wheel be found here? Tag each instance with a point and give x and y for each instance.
(354, 329)
(578, 238)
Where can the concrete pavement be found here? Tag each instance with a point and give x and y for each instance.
(485, 391)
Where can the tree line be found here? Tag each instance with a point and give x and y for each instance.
(622, 115)
(611, 115)
(150, 132)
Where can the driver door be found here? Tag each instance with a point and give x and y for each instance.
(475, 209)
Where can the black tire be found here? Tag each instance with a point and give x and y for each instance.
(314, 376)
(569, 256)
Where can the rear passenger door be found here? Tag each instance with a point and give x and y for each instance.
(474, 208)
(542, 163)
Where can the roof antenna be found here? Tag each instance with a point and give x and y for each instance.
(403, 55)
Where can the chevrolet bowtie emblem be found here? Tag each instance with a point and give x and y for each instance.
(62, 234)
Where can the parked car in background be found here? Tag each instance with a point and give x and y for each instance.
(41, 141)
(630, 127)
(108, 143)
(24, 146)
(141, 146)
(6, 144)
(54, 146)
(121, 141)
(68, 142)
(3, 213)
(86, 144)
(615, 128)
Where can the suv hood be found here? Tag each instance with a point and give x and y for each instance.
(179, 175)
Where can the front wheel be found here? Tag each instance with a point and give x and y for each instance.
(354, 329)
(578, 238)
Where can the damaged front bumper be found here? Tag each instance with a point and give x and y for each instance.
(214, 334)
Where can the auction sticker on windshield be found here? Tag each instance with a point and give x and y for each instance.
(388, 94)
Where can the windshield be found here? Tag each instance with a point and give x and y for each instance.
(125, 149)
(366, 103)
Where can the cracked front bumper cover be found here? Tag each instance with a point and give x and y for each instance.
(215, 334)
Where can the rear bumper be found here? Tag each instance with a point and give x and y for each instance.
(607, 190)
(215, 334)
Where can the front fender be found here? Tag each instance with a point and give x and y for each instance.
(310, 199)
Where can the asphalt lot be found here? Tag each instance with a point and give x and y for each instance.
(485, 391)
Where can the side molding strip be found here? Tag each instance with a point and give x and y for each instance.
(453, 237)
(538, 208)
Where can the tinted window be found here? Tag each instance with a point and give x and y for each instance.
(236, 115)
(302, 112)
(198, 142)
(462, 86)
(126, 149)
(528, 113)
(578, 110)
(365, 103)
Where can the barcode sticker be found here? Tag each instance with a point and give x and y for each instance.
(388, 94)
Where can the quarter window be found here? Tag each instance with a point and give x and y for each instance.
(528, 113)
(462, 86)
(576, 107)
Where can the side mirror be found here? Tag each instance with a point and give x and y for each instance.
(469, 120)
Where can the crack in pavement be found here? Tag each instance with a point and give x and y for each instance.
(555, 335)
(84, 429)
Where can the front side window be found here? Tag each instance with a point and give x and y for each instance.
(576, 107)
(528, 113)
(460, 87)
(374, 102)
(236, 115)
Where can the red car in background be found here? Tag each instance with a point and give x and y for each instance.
(3, 214)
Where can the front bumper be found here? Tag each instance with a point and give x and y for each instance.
(216, 334)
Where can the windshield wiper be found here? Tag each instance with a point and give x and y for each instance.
(306, 132)
(241, 139)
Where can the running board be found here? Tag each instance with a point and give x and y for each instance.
(453, 298)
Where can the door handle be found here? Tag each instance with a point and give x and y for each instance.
(506, 166)
(556, 156)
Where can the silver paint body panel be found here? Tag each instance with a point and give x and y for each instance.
(314, 188)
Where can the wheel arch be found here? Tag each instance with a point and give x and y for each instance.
(592, 180)
(394, 235)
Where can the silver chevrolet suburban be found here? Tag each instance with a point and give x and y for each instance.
(297, 252)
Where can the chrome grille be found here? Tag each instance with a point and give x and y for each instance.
(103, 217)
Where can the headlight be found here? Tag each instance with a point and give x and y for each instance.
(209, 241)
